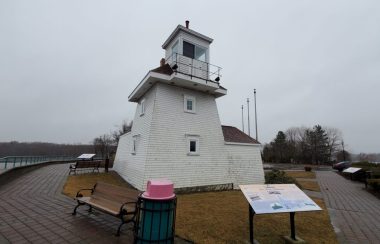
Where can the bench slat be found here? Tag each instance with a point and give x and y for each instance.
(116, 193)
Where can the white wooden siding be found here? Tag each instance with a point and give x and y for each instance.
(245, 164)
(132, 166)
(163, 149)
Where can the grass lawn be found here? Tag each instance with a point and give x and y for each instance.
(301, 174)
(222, 217)
(86, 181)
(309, 185)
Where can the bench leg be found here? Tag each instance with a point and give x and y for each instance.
(75, 209)
(118, 229)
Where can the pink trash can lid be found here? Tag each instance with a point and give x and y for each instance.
(160, 189)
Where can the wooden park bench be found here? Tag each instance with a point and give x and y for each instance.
(82, 165)
(117, 201)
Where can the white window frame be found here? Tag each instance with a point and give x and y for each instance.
(134, 145)
(142, 107)
(191, 98)
(197, 145)
(135, 140)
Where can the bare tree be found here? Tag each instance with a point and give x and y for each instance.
(124, 128)
(103, 144)
(296, 137)
(334, 137)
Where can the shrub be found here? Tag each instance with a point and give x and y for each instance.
(365, 165)
(308, 168)
(375, 184)
(278, 177)
(375, 174)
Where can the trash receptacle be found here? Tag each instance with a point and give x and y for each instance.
(155, 220)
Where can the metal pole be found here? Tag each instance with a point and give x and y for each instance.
(292, 226)
(242, 117)
(251, 230)
(249, 127)
(257, 137)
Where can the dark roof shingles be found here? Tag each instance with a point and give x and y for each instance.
(165, 69)
(233, 134)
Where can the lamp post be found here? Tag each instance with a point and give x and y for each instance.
(249, 127)
(242, 117)
(257, 137)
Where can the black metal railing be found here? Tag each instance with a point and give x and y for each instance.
(17, 161)
(194, 68)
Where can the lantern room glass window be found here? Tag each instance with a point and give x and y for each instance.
(188, 50)
(194, 52)
(200, 53)
(175, 51)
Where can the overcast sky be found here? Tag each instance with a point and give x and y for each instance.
(67, 67)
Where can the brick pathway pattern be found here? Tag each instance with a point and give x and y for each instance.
(354, 213)
(33, 210)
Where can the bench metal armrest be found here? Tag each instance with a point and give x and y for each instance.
(124, 211)
(80, 195)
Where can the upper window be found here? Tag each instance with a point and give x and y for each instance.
(135, 141)
(134, 146)
(189, 104)
(142, 107)
(194, 52)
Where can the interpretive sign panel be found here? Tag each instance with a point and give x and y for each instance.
(351, 170)
(277, 198)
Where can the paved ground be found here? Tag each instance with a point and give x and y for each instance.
(33, 210)
(354, 213)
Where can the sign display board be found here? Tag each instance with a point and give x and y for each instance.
(351, 170)
(277, 198)
(86, 156)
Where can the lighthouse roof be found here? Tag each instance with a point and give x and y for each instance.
(233, 134)
(186, 30)
(164, 69)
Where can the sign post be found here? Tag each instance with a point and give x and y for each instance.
(292, 226)
(251, 230)
(276, 198)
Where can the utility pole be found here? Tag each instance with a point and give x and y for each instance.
(242, 117)
(257, 137)
(249, 127)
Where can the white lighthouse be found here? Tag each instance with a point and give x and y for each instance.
(176, 132)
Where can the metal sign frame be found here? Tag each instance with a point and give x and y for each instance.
(291, 212)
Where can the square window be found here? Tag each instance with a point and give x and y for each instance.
(189, 104)
(193, 145)
(142, 107)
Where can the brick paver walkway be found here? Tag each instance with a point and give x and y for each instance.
(33, 210)
(354, 213)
